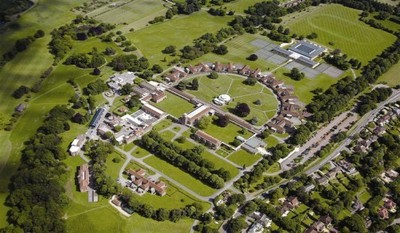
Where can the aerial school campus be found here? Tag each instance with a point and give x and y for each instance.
(199, 116)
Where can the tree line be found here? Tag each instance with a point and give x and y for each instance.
(189, 161)
(37, 196)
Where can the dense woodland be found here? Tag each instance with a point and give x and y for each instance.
(11, 7)
(37, 196)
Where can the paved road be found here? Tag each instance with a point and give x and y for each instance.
(320, 139)
(356, 129)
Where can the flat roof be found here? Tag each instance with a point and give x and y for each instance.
(152, 108)
(197, 111)
(307, 49)
(282, 51)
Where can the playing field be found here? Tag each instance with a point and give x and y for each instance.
(240, 93)
(242, 157)
(128, 12)
(239, 49)
(340, 25)
(179, 31)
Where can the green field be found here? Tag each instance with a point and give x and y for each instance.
(127, 13)
(239, 49)
(240, 93)
(175, 105)
(340, 25)
(179, 31)
(242, 157)
(392, 77)
(180, 176)
(226, 134)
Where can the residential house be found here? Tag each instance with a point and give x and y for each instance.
(390, 205)
(383, 213)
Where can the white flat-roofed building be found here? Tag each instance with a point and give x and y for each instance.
(195, 115)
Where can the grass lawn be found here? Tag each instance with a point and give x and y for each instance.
(340, 25)
(218, 162)
(112, 167)
(127, 147)
(175, 105)
(240, 5)
(173, 199)
(274, 168)
(180, 176)
(167, 135)
(303, 88)
(105, 218)
(179, 31)
(139, 152)
(364, 196)
(240, 93)
(271, 141)
(239, 49)
(127, 13)
(165, 123)
(226, 134)
(390, 2)
(392, 77)
(242, 157)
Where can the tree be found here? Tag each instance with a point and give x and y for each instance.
(223, 120)
(126, 89)
(252, 57)
(242, 109)
(221, 50)
(22, 90)
(250, 81)
(169, 49)
(204, 122)
(39, 33)
(195, 84)
(162, 214)
(181, 139)
(213, 75)
(295, 74)
(96, 71)
(157, 69)
(237, 224)
(257, 102)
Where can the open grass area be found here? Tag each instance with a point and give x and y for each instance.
(340, 25)
(239, 49)
(390, 2)
(226, 134)
(107, 219)
(180, 176)
(175, 105)
(139, 152)
(240, 93)
(162, 125)
(304, 87)
(174, 198)
(127, 13)
(113, 168)
(242, 157)
(179, 31)
(240, 5)
(392, 77)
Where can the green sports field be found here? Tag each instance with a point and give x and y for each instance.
(340, 25)
(130, 14)
(179, 31)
